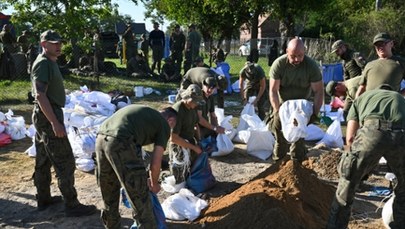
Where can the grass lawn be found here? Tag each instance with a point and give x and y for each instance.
(15, 91)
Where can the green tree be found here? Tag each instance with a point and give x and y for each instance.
(71, 18)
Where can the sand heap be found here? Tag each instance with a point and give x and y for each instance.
(284, 196)
(326, 165)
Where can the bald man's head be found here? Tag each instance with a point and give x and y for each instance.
(295, 51)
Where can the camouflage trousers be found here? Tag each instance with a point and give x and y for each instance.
(297, 149)
(56, 152)
(120, 164)
(370, 144)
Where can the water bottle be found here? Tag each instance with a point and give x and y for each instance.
(125, 199)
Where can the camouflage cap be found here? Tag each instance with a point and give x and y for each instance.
(331, 88)
(385, 37)
(51, 36)
(194, 93)
(336, 45)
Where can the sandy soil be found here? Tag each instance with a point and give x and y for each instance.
(250, 193)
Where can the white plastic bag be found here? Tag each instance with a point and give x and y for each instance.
(183, 205)
(224, 145)
(333, 137)
(294, 116)
(85, 164)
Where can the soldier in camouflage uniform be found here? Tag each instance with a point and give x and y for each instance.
(293, 76)
(120, 162)
(255, 86)
(51, 142)
(208, 80)
(353, 62)
(375, 129)
(387, 69)
(347, 89)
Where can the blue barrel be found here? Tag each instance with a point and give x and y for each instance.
(332, 72)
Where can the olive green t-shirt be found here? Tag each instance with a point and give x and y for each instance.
(187, 119)
(384, 71)
(351, 88)
(378, 104)
(252, 78)
(197, 76)
(144, 124)
(47, 71)
(352, 85)
(295, 81)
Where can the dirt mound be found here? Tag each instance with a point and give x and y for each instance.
(284, 196)
(326, 165)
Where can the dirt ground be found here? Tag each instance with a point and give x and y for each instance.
(250, 193)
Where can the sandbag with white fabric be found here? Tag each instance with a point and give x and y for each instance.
(225, 122)
(314, 132)
(183, 205)
(333, 137)
(260, 141)
(224, 144)
(249, 109)
(294, 117)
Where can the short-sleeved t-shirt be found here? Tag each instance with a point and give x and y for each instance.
(384, 71)
(295, 81)
(47, 71)
(378, 104)
(252, 78)
(144, 124)
(197, 76)
(352, 85)
(187, 119)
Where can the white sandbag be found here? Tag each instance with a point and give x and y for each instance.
(294, 117)
(183, 205)
(231, 133)
(263, 154)
(169, 184)
(76, 119)
(15, 127)
(84, 164)
(314, 132)
(224, 145)
(97, 97)
(333, 137)
(242, 136)
(248, 109)
(260, 140)
(386, 213)
(224, 121)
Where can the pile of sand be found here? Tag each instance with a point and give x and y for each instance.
(286, 195)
